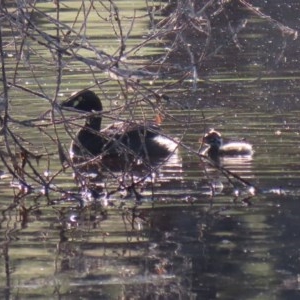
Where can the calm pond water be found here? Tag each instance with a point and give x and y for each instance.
(196, 232)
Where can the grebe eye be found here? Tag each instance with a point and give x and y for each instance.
(216, 141)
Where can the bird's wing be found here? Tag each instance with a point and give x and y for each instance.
(121, 128)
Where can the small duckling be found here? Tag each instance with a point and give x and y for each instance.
(217, 149)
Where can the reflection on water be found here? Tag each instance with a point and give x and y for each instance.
(131, 180)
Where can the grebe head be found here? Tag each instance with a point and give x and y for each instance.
(213, 139)
(84, 100)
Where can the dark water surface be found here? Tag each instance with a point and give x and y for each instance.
(194, 234)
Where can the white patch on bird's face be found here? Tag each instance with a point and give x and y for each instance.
(72, 154)
(76, 102)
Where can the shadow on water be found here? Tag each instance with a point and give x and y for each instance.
(186, 228)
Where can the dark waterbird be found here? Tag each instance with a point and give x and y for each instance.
(119, 140)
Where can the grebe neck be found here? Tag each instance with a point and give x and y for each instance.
(93, 123)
